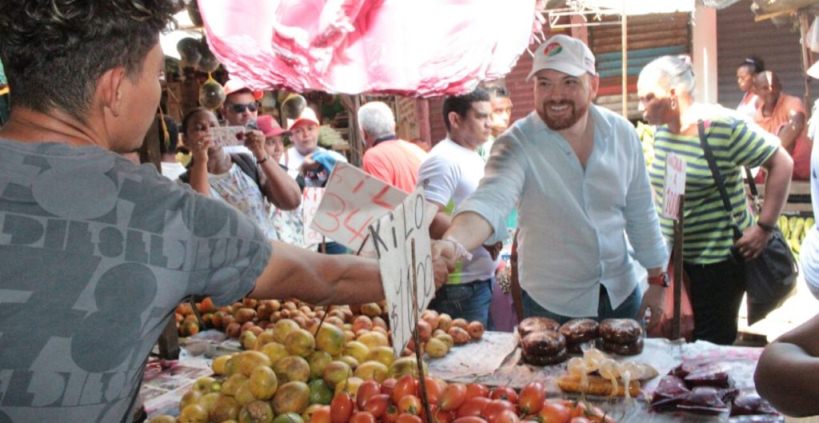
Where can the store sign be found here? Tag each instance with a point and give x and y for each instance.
(674, 187)
(310, 200)
(353, 201)
(408, 280)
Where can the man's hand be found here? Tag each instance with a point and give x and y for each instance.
(309, 164)
(654, 300)
(443, 261)
(753, 241)
(254, 141)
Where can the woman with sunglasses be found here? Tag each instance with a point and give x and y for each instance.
(237, 179)
(713, 261)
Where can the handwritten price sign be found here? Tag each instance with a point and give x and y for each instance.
(674, 185)
(393, 237)
(353, 201)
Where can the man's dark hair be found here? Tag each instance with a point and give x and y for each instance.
(496, 91)
(461, 104)
(55, 50)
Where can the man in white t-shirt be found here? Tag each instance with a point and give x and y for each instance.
(449, 175)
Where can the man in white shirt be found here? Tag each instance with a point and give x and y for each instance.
(449, 175)
(578, 175)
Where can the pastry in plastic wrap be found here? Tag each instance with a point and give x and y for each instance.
(536, 324)
(544, 348)
(751, 404)
(579, 332)
(620, 331)
(631, 348)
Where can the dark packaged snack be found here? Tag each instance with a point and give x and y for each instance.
(620, 331)
(544, 348)
(670, 391)
(579, 330)
(749, 404)
(536, 324)
(631, 348)
(703, 400)
(713, 375)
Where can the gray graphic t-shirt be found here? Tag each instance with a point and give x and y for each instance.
(95, 254)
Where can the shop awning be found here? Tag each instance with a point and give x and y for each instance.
(418, 47)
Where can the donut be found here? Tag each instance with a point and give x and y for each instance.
(544, 347)
(631, 348)
(536, 324)
(579, 330)
(620, 331)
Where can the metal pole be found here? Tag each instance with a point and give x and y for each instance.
(678, 271)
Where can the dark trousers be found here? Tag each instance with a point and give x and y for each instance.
(716, 292)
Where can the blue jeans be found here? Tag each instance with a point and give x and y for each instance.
(468, 301)
(628, 309)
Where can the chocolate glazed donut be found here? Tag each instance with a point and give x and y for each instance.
(620, 331)
(544, 348)
(630, 348)
(579, 330)
(536, 324)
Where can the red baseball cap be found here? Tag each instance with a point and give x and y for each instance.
(269, 126)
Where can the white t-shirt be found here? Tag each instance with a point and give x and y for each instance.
(239, 190)
(172, 170)
(449, 175)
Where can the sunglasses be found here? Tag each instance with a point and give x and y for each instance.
(240, 108)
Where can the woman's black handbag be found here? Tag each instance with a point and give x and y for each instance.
(771, 277)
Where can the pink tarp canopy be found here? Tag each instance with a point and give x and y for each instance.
(409, 47)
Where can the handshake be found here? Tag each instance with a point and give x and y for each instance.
(446, 253)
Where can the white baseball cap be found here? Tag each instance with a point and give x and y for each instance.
(307, 116)
(563, 54)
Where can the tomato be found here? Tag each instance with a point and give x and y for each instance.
(407, 385)
(553, 412)
(495, 407)
(504, 393)
(453, 396)
(578, 409)
(598, 415)
(377, 405)
(443, 416)
(341, 408)
(391, 415)
(469, 419)
(473, 406)
(387, 385)
(365, 391)
(476, 390)
(321, 415)
(362, 417)
(531, 398)
(408, 418)
(579, 419)
(506, 416)
(434, 389)
(409, 404)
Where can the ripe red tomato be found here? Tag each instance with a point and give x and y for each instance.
(578, 409)
(579, 419)
(476, 390)
(377, 405)
(341, 408)
(410, 404)
(553, 412)
(506, 416)
(434, 389)
(362, 417)
(504, 393)
(469, 419)
(321, 415)
(387, 385)
(495, 407)
(473, 406)
(408, 418)
(531, 398)
(391, 415)
(453, 396)
(407, 385)
(443, 416)
(365, 391)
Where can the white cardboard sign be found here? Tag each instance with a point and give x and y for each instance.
(392, 237)
(310, 200)
(353, 201)
(674, 186)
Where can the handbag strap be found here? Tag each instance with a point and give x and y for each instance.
(715, 173)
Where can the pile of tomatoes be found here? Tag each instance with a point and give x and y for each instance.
(399, 401)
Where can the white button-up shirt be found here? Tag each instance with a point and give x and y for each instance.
(573, 221)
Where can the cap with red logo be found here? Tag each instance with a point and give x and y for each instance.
(563, 54)
(235, 85)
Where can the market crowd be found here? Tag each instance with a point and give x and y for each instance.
(96, 251)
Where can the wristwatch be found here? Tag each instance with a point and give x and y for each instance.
(660, 280)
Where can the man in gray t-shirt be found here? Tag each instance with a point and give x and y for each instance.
(96, 252)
